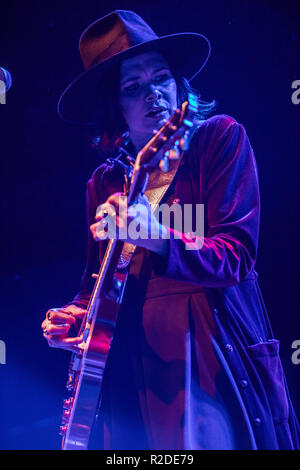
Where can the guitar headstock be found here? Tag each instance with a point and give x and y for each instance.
(172, 138)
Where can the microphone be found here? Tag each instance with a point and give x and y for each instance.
(5, 77)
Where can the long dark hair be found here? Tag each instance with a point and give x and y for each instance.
(113, 126)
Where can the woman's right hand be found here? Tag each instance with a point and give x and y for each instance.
(57, 324)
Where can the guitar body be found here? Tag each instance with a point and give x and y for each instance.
(87, 367)
(88, 381)
(88, 362)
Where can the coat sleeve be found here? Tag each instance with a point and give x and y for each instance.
(227, 172)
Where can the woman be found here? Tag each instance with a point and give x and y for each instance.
(193, 364)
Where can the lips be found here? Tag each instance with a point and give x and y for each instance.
(156, 111)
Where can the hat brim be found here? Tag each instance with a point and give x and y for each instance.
(187, 53)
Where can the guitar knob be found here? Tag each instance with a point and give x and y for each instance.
(70, 383)
(67, 403)
(63, 430)
(65, 415)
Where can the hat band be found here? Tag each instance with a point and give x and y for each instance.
(120, 44)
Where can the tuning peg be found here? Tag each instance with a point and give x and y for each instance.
(184, 141)
(164, 164)
(173, 154)
(163, 138)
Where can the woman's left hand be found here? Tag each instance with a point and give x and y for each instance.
(135, 224)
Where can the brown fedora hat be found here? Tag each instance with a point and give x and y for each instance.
(113, 38)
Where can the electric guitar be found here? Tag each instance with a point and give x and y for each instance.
(87, 364)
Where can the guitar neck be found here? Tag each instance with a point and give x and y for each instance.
(105, 285)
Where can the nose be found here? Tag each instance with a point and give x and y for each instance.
(153, 94)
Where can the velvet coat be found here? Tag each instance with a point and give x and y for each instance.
(196, 310)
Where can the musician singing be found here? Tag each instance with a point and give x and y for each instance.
(193, 363)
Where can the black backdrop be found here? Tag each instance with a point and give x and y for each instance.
(45, 164)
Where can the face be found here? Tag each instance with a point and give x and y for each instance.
(148, 93)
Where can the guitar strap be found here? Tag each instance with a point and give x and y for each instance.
(158, 184)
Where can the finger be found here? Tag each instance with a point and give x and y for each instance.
(108, 228)
(98, 232)
(80, 313)
(70, 344)
(114, 204)
(59, 316)
(53, 329)
(171, 141)
(105, 210)
(116, 198)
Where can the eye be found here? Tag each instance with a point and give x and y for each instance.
(131, 88)
(163, 77)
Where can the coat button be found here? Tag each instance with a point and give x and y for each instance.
(244, 383)
(229, 348)
(257, 422)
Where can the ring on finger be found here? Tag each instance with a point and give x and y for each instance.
(48, 315)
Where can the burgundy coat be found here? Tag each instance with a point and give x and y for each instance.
(194, 363)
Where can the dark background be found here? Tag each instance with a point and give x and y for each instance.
(45, 164)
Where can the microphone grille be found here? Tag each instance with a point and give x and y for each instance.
(5, 77)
